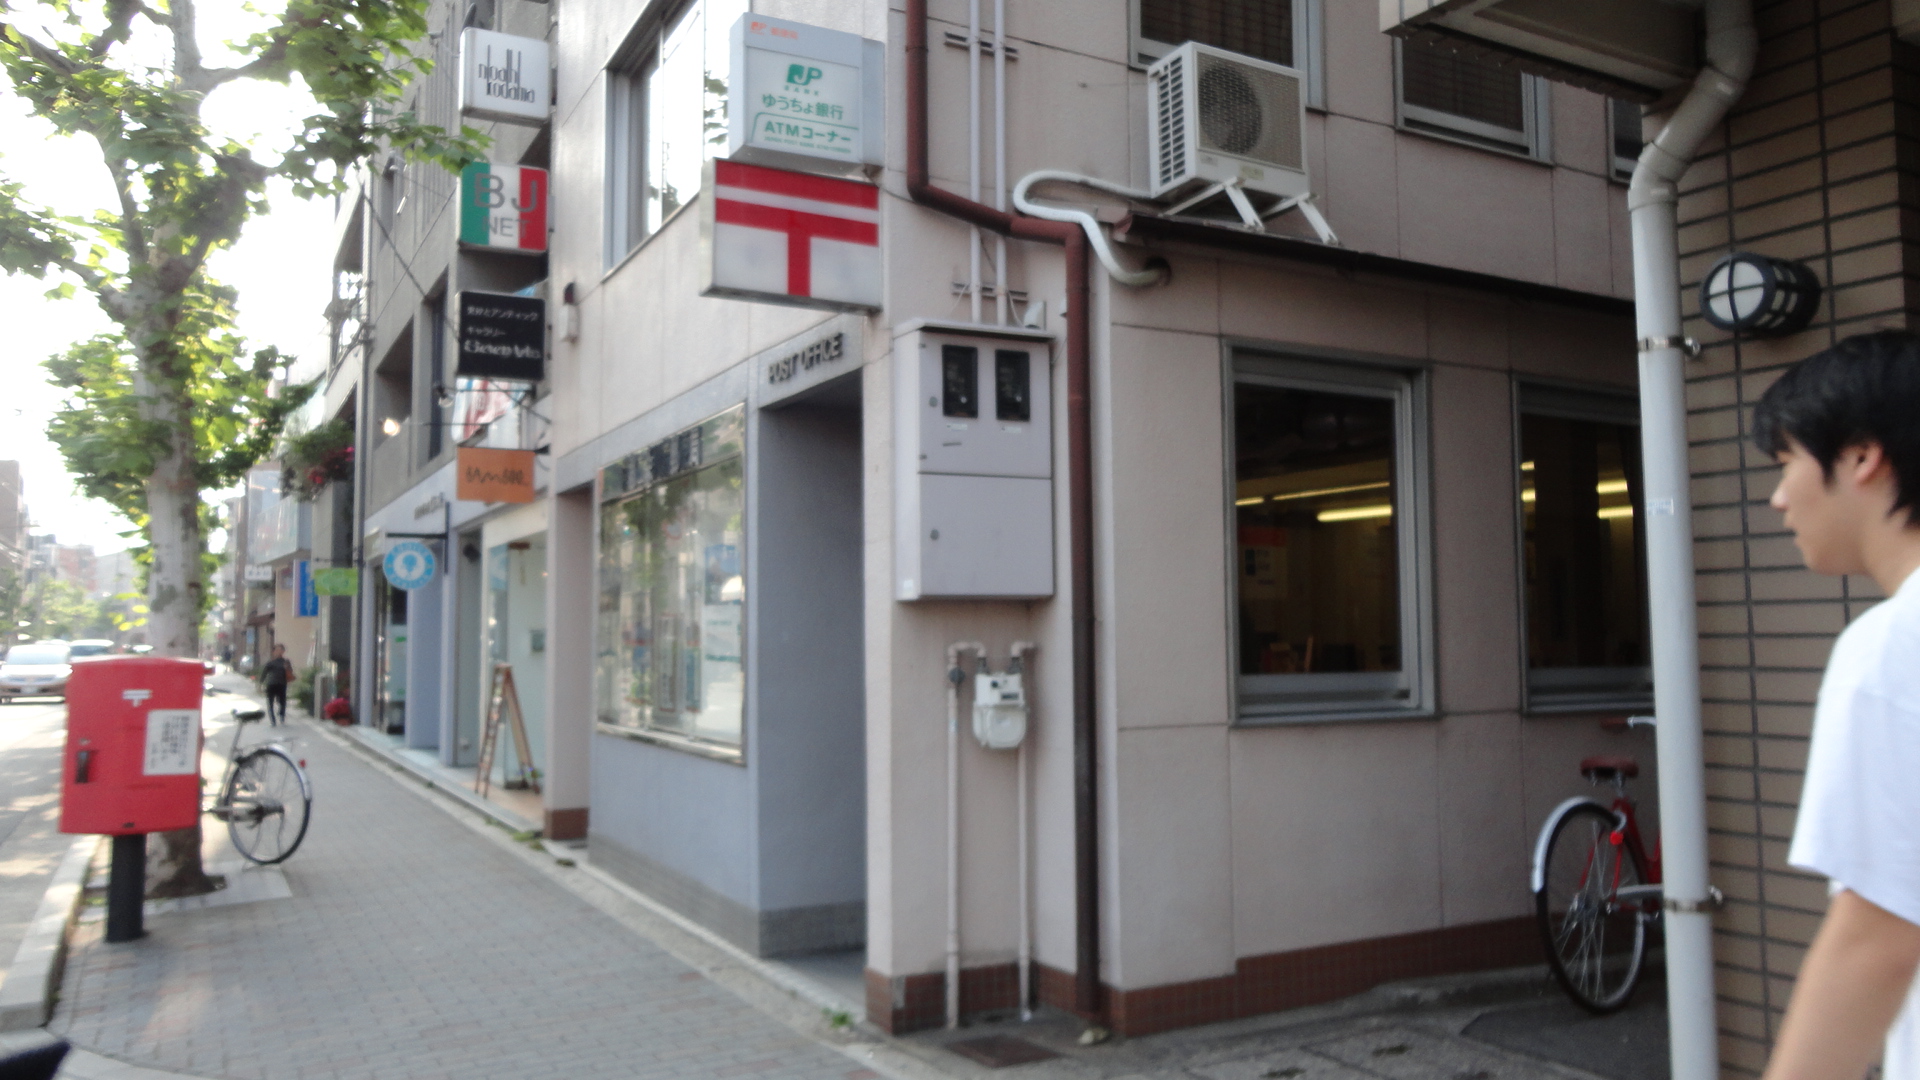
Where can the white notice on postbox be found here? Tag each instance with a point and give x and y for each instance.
(173, 744)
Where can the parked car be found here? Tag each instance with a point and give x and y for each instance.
(36, 670)
(93, 647)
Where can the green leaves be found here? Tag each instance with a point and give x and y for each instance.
(173, 403)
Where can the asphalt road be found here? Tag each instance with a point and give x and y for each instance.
(31, 733)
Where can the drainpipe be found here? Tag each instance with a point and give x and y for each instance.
(1079, 321)
(1651, 202)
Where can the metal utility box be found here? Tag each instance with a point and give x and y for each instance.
(132, 760)
(974, 439)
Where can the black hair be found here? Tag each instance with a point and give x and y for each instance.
(1866, 389)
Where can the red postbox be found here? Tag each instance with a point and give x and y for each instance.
(132, 763)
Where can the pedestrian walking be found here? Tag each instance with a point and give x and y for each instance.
(273, 679)
(1845, 427)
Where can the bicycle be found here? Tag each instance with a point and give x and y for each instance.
(1596, 888)
(264, 798)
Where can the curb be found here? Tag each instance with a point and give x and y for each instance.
(472, 800)
(32, 981)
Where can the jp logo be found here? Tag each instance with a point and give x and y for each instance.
(801, 74)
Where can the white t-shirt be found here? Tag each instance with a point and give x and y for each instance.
(1861, 801)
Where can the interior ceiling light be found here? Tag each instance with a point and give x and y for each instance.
(1608, 513)
(1355, 513)
(390, 426)
(1759, 295)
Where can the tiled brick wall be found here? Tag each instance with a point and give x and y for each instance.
(1817, 163)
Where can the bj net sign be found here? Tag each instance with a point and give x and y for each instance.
(501, 337)
(503, 207)
(790, 238)
(804, 97)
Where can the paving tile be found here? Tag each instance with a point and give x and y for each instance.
(404, 946)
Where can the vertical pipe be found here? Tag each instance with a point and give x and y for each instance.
(1086, 759)
(974, 238)
(1652, 200)
(954, 677)
(1001, 304)
(1024, 824)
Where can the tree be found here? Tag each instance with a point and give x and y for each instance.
(171, 403)
(59, 609)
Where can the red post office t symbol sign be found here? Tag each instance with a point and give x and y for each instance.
(791, 238)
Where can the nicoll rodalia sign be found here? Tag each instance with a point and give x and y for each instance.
(500, 336)
(503, 77)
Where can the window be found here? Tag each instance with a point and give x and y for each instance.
(672, 598)
(1329, 527)
(1459, 95)
(1281, 31)
(1623, 135)
(666, 116)
(1585, 563)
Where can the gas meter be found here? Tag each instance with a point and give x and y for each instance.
(999, 710)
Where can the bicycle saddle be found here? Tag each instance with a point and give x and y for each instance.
(249, 715)
(1606, 768)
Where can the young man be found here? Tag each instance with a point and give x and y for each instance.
(1845, 427)
(274, 678)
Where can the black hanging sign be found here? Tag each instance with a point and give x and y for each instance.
(502, 337)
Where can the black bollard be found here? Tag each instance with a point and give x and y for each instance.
(127, 888)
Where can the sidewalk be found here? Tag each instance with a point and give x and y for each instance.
(410, 938)
(410, 946)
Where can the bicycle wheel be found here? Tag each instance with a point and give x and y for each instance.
(267, 803)
(1595, 942)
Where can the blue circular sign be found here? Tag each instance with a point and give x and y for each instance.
(409, 564)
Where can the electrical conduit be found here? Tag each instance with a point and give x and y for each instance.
(1652, 200)
(921, 189)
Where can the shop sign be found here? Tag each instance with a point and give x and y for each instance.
(336, 581)
(502, 337)
(259, 574)
(504, 207)
(503, 77)
(790, 238)
(409, 564)
(494, 476)
(804, 97)
(306, 600)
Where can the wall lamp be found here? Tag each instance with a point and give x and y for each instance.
(1759, 295)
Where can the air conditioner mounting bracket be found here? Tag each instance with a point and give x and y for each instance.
(1255, 219)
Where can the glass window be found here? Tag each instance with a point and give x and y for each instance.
(1326, 509)
(672, 594)
(1278, 31)
(667, 115)
(1585, 562)
(1463, 95)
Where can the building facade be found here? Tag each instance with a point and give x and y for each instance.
(1321, 560)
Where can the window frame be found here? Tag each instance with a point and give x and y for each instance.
(1534, 142)
(1592, 404)
(605, 497)
(625, 175)
(1309, 47)
(1335, 697)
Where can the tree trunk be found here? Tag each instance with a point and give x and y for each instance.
(174, 588)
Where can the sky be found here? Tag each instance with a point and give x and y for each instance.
(280, 266)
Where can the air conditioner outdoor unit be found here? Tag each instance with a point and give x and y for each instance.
(1223, 123)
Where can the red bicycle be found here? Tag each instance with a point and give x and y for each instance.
(1596, 887)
